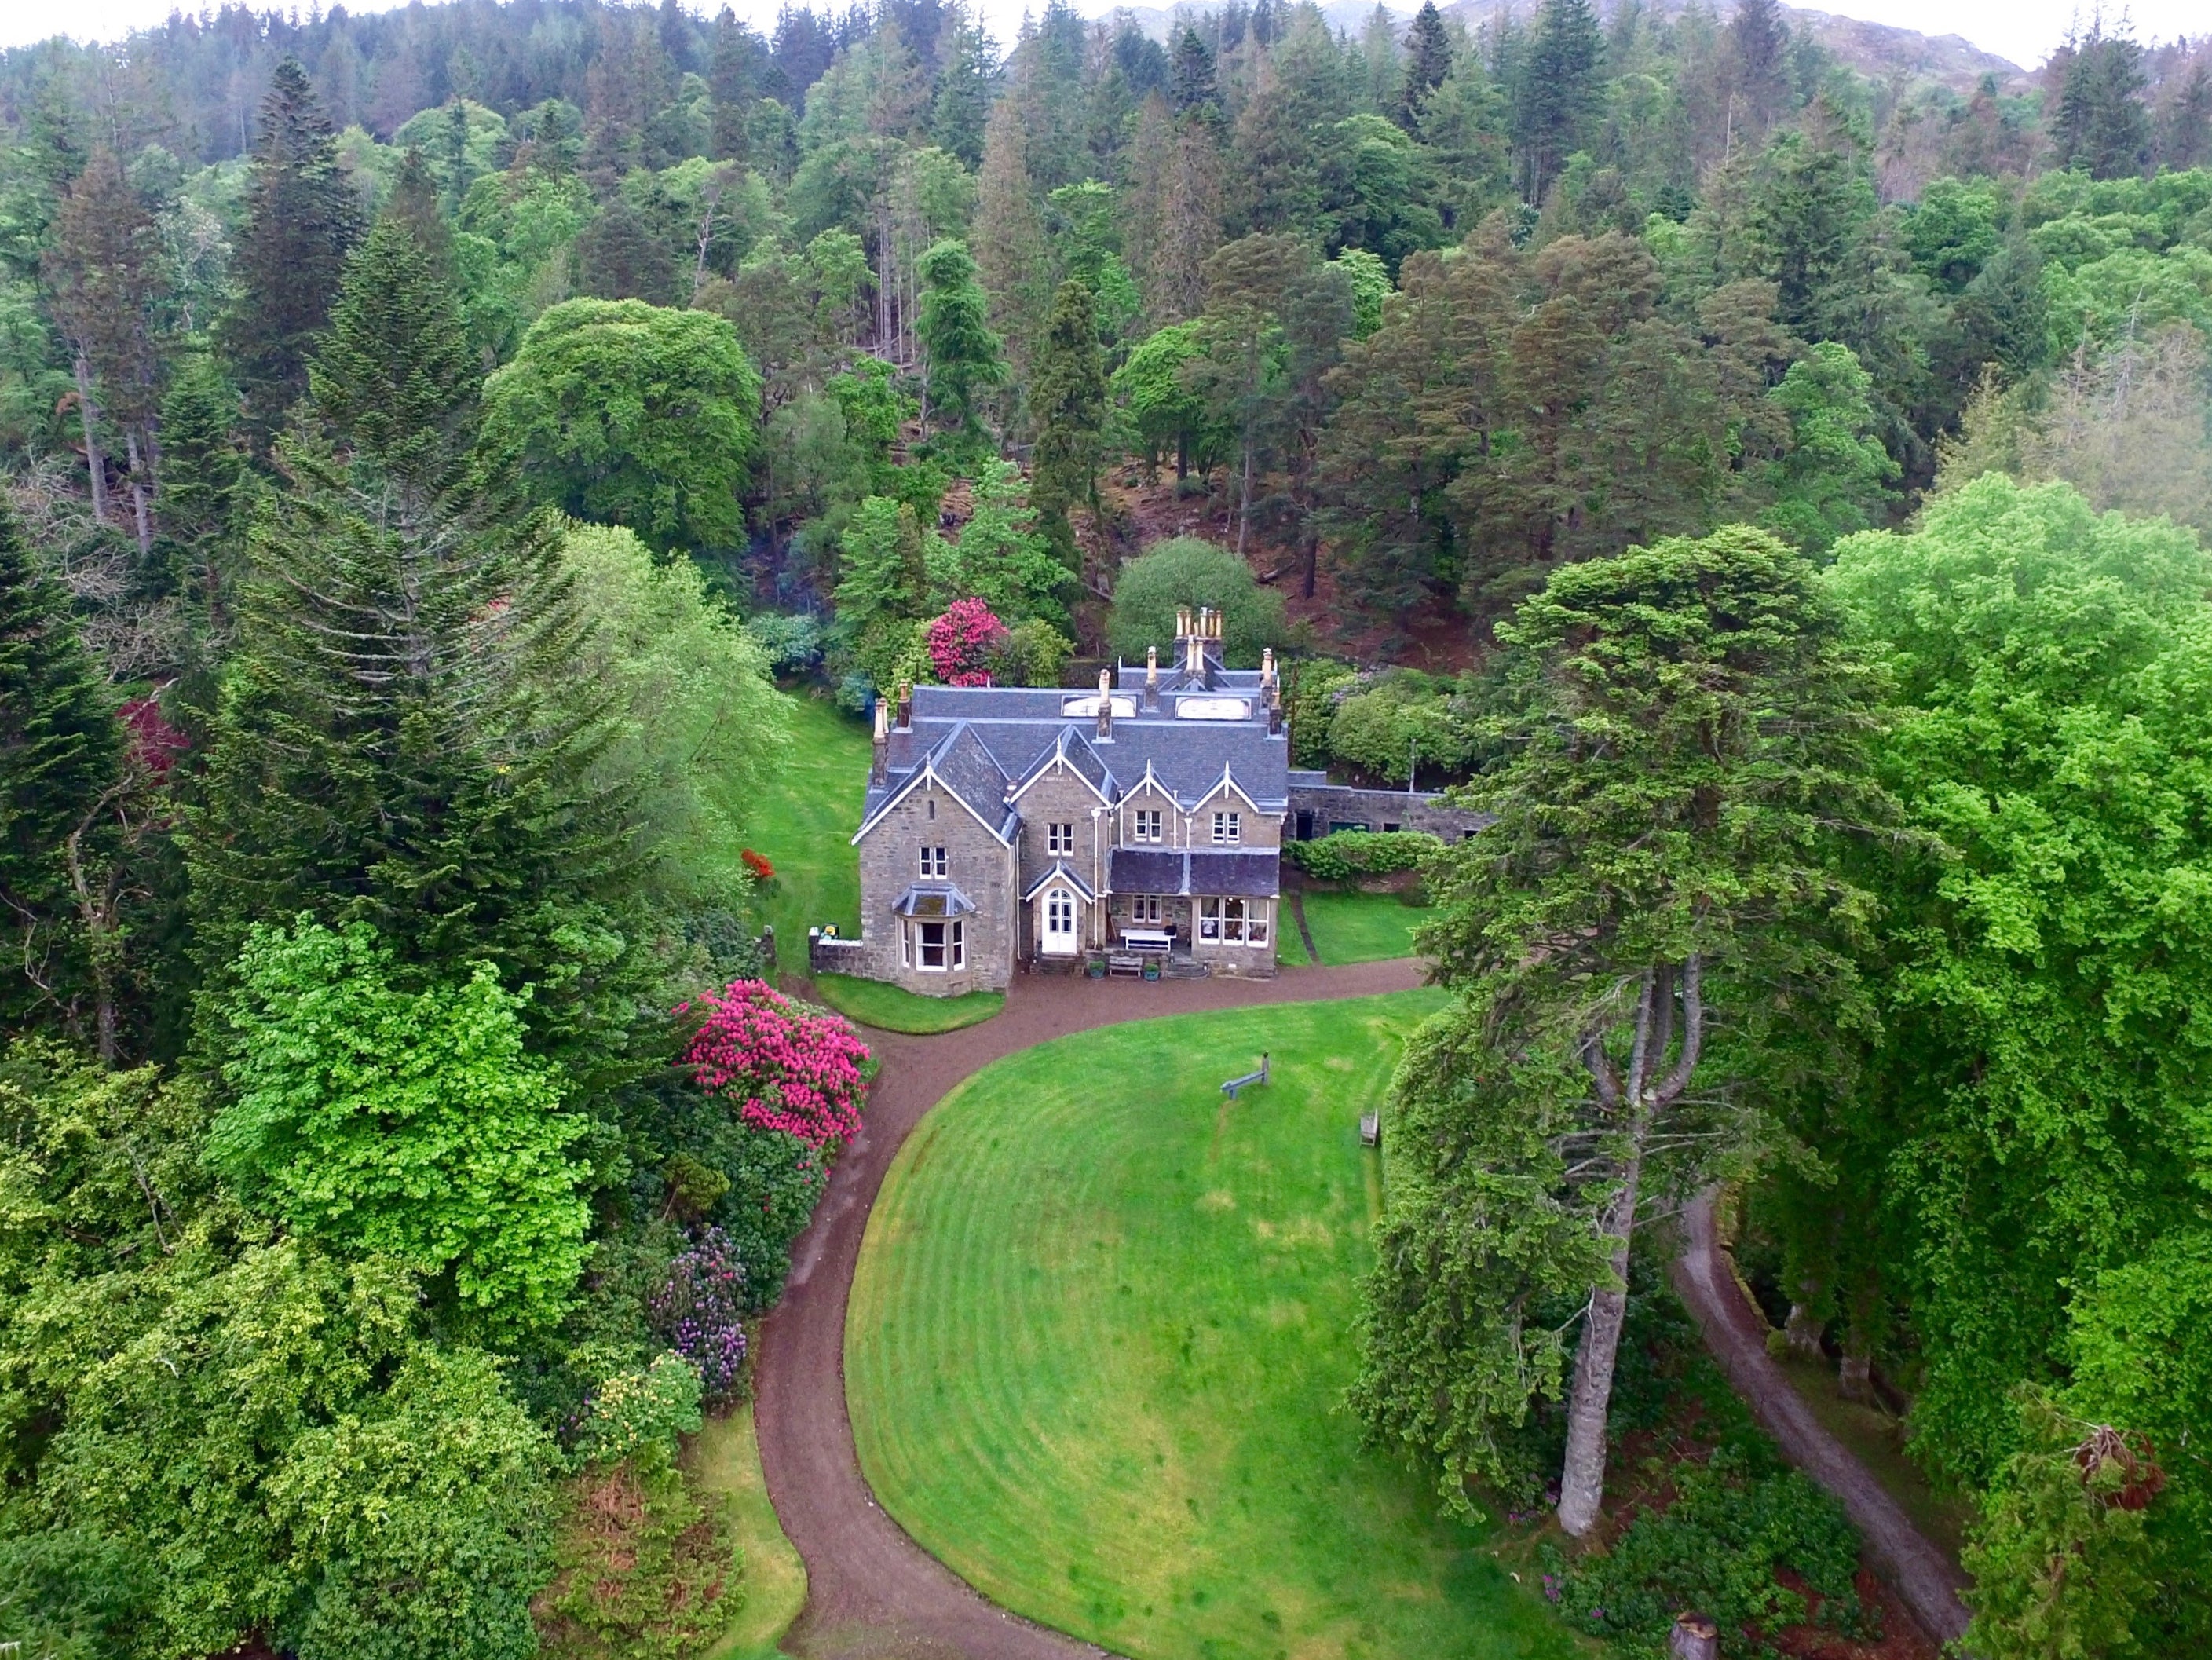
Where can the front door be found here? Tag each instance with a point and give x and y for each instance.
(1059, 937)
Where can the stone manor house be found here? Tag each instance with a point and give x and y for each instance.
(1011, 826)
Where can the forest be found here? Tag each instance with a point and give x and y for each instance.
(1779, 495)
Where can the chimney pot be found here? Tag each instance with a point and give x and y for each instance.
(1152, 677)
(1105, 704)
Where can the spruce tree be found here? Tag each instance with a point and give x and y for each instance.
(1428, 62)
(966, 87)
(202, 503)
(621, 255)
(1759, 45)
(1555, 91)
(1191, 85)
(1067, 399)
(395, 740)
(60, 749)
(733, 80)
(2103, 127)
(302, 219)
(965, 357)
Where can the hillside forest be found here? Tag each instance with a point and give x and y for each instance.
(1779, 493)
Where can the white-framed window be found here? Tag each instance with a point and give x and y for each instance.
(1228, 827)
(940, 946)
(934, 862)
(1059, 838)
(1144, 825)
(1234, 921)
(906, 945)
(1145, 908)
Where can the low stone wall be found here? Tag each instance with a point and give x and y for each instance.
(1316, 809)
(830, 955)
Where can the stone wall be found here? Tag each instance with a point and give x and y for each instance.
(1318, 808)
(979, 864)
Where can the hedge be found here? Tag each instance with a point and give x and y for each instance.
(1348, 854)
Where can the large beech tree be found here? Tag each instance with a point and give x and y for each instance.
(1661, 889)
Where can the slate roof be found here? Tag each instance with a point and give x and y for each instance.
(979, 740)
(934, 899)
(1185, 871)
(1061, 871)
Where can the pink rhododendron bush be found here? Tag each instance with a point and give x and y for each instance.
(962, 640)
(788, 1066)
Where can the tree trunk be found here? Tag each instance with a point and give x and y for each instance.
(1581, 1476)
(1313, 563)
(1802, 1331)
(95, 465)
(141, 499)
(1855, 1374)
(1244, 501)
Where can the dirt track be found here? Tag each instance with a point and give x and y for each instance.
(1923, 1578)
(871, 1591)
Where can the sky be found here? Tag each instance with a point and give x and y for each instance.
(2023, 30)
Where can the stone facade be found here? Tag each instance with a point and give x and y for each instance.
(1317, 807)
(1010, 827)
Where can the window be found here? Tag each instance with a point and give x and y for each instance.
(1145, 908)
(1389, 829)
(1146, 827)
(934, 862)
(944, 944)
(1228, 827)
(1238, 922)
(1059, 838)
(931, 801)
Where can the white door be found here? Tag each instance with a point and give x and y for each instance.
(1059, 922)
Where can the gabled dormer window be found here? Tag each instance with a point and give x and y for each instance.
(1229, 828)
(1144, 825)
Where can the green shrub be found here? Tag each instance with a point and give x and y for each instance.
(1715, 1548)
(792, 644)
(1347, 853)
(1402, 719)
(637, 1415)
(1187, 571)
(68, 1594)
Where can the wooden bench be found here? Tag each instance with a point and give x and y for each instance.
(1125, 963)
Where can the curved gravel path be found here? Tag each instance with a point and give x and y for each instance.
(871, 1591)
(1922, 1575)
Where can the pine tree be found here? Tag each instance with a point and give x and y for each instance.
(60, 751)
(105, 272)
(1555, 91)
(302, 219)
(1759, 47)
(1067, 400)
(1009, 238)
(202, 503)
(1191, 85)
(734, 82)
(965, 357)
(395, 741)
(2185, 138)
(2102, 125)
(966, 86)
(1428, 62)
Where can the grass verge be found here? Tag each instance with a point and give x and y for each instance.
(1361, 928)
(725, 1460)
(1101, 1328)
(890, 1008)
(1877, 1440)
(804, 827)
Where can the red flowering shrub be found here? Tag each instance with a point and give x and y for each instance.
(787, 1068)
(757, 864)
(961, 642)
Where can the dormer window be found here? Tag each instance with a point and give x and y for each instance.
(1229, 828)
(1145, 825)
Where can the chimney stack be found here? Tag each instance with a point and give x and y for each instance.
(1152, 678)
(879, 765)
(905, 707)
(1105, 706)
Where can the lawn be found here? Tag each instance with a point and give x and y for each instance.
(804, 826)
(1101, 1328)
(890, 1008)
(1362, 928)
(725, 1460)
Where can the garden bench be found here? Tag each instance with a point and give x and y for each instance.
(1125, 963)
(1230, 1088)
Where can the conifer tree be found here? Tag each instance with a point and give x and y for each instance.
(621, 255)
(1555, 93)
(733, 80)
(60, 749)
(959, 118)
(2103, 126)
(1758, 46)
(1067, 400)
(302, 223)
(202, 503)
(394, 742)
(1009, 242)
(965, 357)
(1428, 62)
(1191, 85)
(104, 270)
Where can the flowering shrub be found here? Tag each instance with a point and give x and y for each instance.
(154, 743)
(757, 863)
(695, 1311)
(788, 1068)
(641, 1413)
(961, 642)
